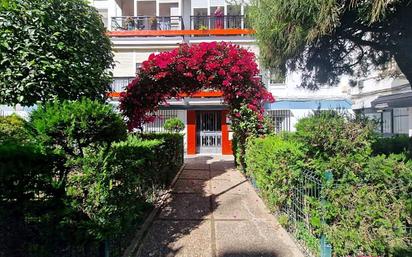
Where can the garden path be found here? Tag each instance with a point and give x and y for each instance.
(215, 212)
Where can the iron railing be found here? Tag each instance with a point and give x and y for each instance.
(306, 195)
(218, 22)
(147, 23)
(157, 126)
(120, 84)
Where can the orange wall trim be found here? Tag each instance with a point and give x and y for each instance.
(196, 95)
(196, 32)
(191, 132)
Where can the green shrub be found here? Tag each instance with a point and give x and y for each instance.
(110, 187)
(387, 145)
(335, 142)
(366, 207)
(28, 190)
(72, 126)
(174, 125)
(372, 215)
(274, 164)
(14, 129)
(114, 187)
(172, 151)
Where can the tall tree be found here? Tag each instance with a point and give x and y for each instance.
(328, 38)
(52, 49)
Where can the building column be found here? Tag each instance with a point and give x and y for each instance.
(226, 142)
(410, 121)
(191, 132)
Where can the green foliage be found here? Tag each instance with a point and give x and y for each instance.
(366, 208)
(251, 124)
(316, 37)
(274, 163)
(14, 129)
(113, 188)
(387, 145)
(172, 150)
(174, 125)
(52, 49)
(371, 216)
(335, 142)
(73, 126)
(110, 187)
(25, 172)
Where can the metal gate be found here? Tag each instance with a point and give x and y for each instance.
(209, 132)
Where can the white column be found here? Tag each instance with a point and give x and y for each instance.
(410, 121)
(157, 8)
(135, 8)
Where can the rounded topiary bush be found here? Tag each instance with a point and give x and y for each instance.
(71, 126)
(174, 125)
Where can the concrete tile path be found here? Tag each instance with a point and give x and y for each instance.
(214, 212)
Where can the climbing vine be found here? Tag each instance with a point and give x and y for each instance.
(191, 68)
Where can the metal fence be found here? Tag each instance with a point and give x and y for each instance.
(158, 124)
(305, 195)
(147, 23)
(215, 22)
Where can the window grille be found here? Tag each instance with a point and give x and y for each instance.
(280, 120)
(158, 123)
(400, 121)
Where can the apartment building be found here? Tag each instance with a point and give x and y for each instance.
(141, 27)
(385, 99)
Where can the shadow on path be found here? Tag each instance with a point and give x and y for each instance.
(214, 212)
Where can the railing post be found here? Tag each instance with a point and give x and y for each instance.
(325, 247)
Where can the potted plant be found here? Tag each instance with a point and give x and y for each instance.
(153, 23)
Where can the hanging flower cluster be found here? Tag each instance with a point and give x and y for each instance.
(190, 69)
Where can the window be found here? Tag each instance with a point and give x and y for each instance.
(376, 117)
(119, 84)
(280, 120)
(158, 123)
(400, 121)
(138, 65)
(387, 122)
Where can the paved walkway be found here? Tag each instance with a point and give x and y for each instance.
(214, 212)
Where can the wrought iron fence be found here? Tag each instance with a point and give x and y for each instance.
(158, 124)
(216, 22)
(305, 196)
(147, 23)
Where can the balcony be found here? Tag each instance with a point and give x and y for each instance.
(127, 23)
(213, 22)
(132, 26)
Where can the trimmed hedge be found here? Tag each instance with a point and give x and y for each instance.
(367, 206)
(80, 181)
(274, 164)
(396, 144)
(114, 188)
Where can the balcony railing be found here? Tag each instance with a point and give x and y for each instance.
(147, 23)
(216, 22)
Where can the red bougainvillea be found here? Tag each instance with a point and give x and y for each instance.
(190, 69)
